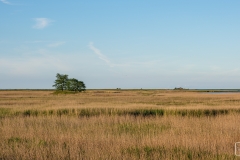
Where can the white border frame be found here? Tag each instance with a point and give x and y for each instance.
(237, 148)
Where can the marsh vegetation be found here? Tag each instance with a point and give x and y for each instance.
(118, 124)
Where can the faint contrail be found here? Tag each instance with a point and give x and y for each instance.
(99, 54)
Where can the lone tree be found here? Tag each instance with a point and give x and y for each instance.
(63, 83)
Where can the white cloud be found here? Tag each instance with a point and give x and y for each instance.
(5, 2)
(41, 23)
(99, 54)
(56, 44)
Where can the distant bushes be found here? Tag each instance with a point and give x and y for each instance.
(201, 112)
(89, 112)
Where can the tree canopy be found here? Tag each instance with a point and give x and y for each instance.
(64, 83)
(75, 85)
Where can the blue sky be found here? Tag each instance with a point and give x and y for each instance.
(120, 44)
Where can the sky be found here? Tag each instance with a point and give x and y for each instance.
(128, 44)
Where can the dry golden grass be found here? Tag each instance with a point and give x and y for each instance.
(32, 128)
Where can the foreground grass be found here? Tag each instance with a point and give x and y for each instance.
(119, 137)
(118, 125)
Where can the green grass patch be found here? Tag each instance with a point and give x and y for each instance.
(161, 152)
(89, 112)
(5, 112)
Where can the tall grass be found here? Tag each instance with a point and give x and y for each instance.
(118, 125)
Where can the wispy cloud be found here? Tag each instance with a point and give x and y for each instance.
(56, 44)
(41, 23)
(29, 64)
(37, 41)
(126, 64)
(99, 54)
(5, 2)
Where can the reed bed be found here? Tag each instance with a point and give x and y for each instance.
(108, 124)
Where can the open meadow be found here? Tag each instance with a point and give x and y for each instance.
(119, 124)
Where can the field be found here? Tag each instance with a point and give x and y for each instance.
(119, 124)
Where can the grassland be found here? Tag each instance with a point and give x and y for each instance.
(118, 124)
